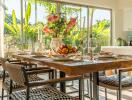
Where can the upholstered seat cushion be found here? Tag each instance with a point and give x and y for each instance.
(44, 93)
(113, 80)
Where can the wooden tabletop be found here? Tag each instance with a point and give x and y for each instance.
(78, 66)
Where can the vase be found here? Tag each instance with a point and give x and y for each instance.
(55, 43)
(33, 47)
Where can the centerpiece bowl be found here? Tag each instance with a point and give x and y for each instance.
(65, 52)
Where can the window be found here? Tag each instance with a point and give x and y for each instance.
(79, 34)
(101, 26)
(12, 24)
(35, 12)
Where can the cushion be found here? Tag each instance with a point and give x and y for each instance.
(113, 80)
(44, 93)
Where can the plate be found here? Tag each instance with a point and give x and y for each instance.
(106, 58)
(38, 56)
(63, 56)
(61, 59)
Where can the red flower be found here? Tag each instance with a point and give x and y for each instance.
(53, 18)
(71, 24)
(47, 30)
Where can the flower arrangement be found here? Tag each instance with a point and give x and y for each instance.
(58, 26)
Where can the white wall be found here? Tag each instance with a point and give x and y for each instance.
(124, 18)
(1, 29)
(124, 4)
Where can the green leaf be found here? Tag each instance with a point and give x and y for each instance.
(14, 21)
(28, 14)
(10, 28)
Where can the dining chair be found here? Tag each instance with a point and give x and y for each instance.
(6, 80)
(116, 82)
(1, 69)
(44, 90)
(88, 84)
(1, 72)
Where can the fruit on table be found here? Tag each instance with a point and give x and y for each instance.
(66, 49)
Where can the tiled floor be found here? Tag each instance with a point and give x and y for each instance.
(127, 95)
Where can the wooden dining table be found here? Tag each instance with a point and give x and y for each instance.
(79, 67)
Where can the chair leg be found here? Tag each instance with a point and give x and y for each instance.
(8, 96)
(27, 93)
(119, 94)
(2, 96)
(105, 94)
(88, 86)
(50, 77)
(55, 74)
(72, 83)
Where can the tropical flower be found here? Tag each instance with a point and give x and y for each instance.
(58, 26)
(53, 18)
(71, 24)
(47, 30)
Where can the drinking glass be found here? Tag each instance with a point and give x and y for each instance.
(92, 45)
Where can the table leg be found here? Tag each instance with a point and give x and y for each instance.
(95, 86)
(81, 89)
(62, 84)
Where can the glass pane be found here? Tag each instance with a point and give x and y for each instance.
(100, 20)
(43, 10)
(12, 25)
(35, 17)
(78, 36)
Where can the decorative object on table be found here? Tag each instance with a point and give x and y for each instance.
(58, 27)
(65, 52)
(41, 48)
(92, 46)
(66, 49)
(55, 43)
(41, 45)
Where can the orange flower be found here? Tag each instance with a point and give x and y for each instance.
(71, 24)
(47, 30)
(53, 18)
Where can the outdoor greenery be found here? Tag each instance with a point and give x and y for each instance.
(100, 30)
(13, 29)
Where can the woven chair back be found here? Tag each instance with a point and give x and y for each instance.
(3, 60)
(16, 73)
